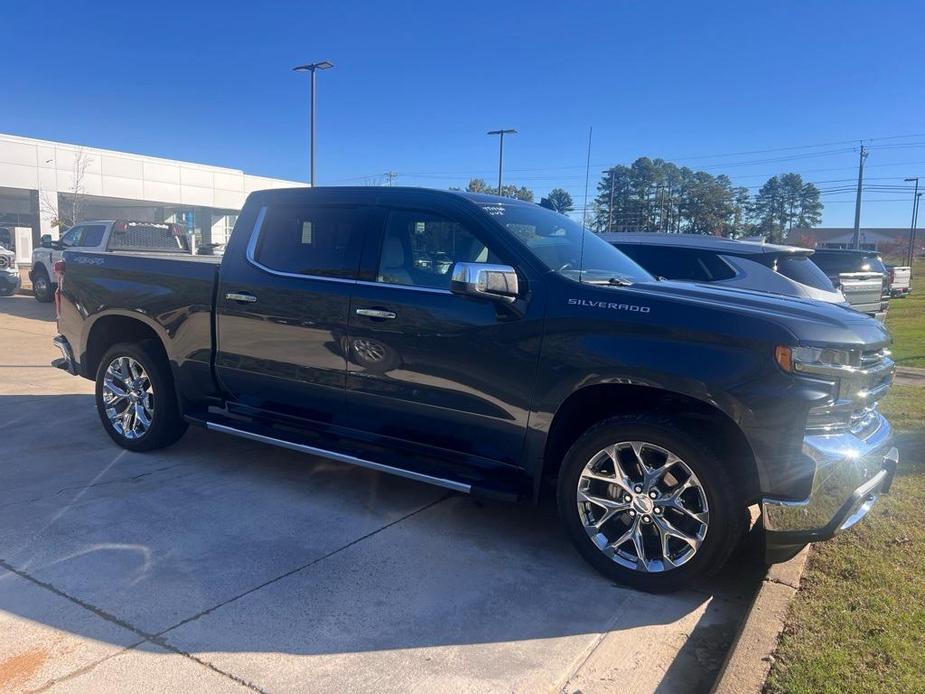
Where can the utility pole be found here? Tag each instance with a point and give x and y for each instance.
(857, 203)
(915, 224)
(915, 210)
(610, 209)
(502, 133)
(391, 175)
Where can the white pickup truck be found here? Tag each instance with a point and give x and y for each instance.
(900, 280)
(101, 236)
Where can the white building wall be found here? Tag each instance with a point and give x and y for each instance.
(48, 167)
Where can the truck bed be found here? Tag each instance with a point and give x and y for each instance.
(863, 290)
(172, 294)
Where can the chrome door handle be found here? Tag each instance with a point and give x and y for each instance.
(241, 296)
(376, 313)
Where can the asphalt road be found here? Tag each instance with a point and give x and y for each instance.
(219, 564)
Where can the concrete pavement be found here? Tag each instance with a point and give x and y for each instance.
(219, 564)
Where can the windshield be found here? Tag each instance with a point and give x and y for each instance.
(557, 243)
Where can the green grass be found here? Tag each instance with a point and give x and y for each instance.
(906, 321)
(858, 622)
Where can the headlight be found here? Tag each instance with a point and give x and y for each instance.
(822, 361)
(829, 364)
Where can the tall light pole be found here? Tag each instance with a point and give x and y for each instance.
(502, 133)
(915, 210)
(312, 67)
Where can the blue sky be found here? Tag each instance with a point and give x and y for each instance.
(416, 85)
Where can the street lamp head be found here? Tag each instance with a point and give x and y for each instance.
(503, 131)
(311, 67)
(911, 178)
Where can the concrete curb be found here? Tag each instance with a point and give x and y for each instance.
(910, 376)
(750, 657)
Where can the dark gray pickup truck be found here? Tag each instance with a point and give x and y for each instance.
(495, 348)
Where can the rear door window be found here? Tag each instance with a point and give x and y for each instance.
(679, 263)
(803, 270)
(317, 241)
(92, 236)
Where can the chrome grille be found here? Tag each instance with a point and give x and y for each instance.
(861, 386)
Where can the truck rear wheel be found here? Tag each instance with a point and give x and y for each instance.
(647, 504)
(135, 397)
(42, 287)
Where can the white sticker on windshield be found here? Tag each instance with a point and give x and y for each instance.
(494, 210)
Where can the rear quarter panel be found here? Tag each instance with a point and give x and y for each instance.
(171, 295)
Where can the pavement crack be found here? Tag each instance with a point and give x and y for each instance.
(99, 612)
(156, 639)
(85, 669)
(307, 565)
(119, 480)
(768, 579)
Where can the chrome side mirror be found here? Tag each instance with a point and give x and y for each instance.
(485, 280)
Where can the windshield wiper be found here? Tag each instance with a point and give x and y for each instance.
(613, 282)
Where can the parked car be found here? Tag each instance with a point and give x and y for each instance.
(659, 411)
(762, 267)
(103, 236)
(9, 272)
(861, 276)
(900, 280)
(211, 249)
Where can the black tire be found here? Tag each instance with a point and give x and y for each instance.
(726, 518)
(373, 355)
(166, 423)
(42, 287)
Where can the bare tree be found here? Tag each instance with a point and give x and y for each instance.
(50, 202)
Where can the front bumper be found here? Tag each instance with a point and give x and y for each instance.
(850, 473)
(66, 361)
(9, 281)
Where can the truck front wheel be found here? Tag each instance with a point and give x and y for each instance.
(42, 288)
(647, 504)
(135, 397)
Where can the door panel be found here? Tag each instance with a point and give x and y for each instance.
(281, 313)
(436, 368)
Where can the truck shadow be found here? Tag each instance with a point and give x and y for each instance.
(224, 546)
(26, 307)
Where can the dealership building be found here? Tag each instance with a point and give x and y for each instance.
(40, 181)
(881, 239)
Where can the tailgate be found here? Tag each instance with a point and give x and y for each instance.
(902, 277)
(863, 290)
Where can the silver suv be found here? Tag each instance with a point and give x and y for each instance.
(763, 267)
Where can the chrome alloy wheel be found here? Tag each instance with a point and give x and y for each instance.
(370, 350)
(128, 397)
(642, 506)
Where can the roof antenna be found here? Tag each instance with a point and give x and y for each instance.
(584, 212)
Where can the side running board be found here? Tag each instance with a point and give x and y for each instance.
(333, 455)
